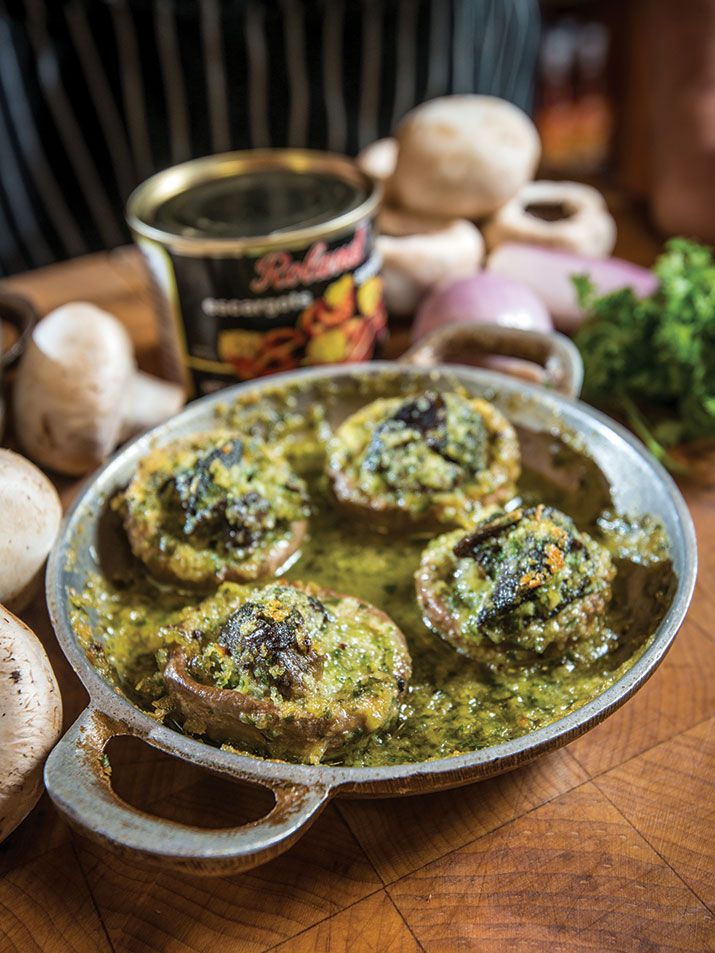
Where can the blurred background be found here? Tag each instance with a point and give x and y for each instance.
(96, 95)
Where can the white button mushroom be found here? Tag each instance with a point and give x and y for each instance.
(568, 215)
(422, 253)
(31, 719)
(31, 516)
(78, 391)
(463, 156)
(378, 160)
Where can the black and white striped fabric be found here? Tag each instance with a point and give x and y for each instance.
(96, 95)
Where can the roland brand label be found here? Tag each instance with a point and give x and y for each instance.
(228, 319)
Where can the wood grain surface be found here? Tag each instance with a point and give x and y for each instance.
(608, 844)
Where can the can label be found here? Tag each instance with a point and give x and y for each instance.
(234, 319)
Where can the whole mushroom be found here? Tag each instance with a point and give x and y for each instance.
(31, 516)
(31, 719)
(463, 156)
(422, 253)
(568, 215)
(78, 391)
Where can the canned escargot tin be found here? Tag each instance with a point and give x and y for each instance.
(262, 261)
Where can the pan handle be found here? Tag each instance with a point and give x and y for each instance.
(77, 777)
(563, 368)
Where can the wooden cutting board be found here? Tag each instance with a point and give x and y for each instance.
(608, 844)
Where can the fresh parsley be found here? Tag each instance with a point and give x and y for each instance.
(653, 359)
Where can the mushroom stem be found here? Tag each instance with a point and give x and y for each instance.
(151, 400)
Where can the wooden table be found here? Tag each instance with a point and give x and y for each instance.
(608, 844)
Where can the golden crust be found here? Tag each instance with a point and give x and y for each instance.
(231, 716)
(495, 485)
(432, 582)
(179, 563)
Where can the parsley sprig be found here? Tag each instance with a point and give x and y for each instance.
(653, 359)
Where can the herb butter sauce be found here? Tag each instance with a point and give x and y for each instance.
(453, 704)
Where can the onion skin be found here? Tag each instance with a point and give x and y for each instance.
(482, 298)
(548, 273)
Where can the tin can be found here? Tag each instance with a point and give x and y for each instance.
(261, 261)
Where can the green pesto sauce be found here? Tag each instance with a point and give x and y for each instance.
(173, 515)
(453, 704)
(352, 654)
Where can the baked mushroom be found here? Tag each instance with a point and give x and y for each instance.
(567, 215)
(211, 507)
(432, 458)
(78, 392)
(463, 156)
(419, 253)
(31, 515)
(515, 586)
(293, 671)
(31, 720)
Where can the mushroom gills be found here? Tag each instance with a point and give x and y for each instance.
(549, 211)
(568, 215)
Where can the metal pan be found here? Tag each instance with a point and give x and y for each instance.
(76, 776)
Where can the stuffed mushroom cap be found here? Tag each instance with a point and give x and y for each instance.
(213, 507)
(293, 671)
(518, 584)
(429, 459)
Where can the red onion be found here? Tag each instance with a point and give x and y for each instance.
(482, 299)
(548, 273)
